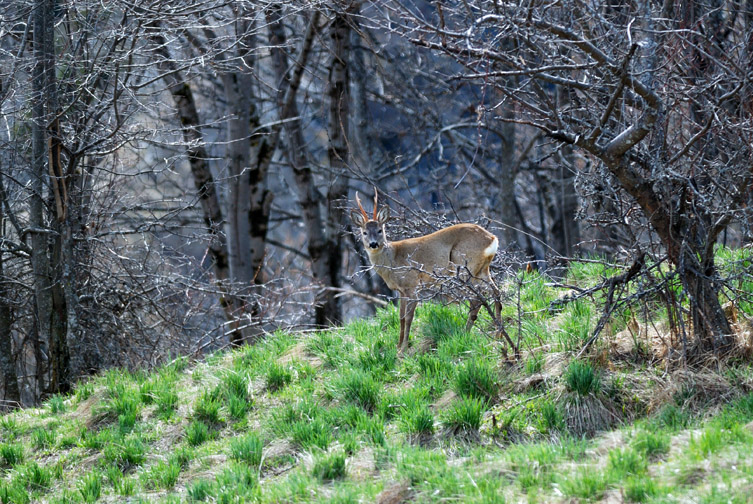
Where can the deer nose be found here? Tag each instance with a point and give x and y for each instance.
(374, 244)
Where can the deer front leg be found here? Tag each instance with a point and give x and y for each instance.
(410, 310)
(402, 322)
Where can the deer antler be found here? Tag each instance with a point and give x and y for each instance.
(360, 207)
(376, 196)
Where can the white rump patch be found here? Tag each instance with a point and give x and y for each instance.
(491, 249)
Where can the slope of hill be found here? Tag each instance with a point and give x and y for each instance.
(337, 416)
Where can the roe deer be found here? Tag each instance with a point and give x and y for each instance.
(409, 265)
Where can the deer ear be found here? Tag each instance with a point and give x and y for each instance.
(357, 219)
(383, 215)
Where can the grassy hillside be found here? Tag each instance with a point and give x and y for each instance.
(337, 416)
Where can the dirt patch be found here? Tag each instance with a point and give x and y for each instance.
(443, 402)
(527, 383)
(396, 493)
(299, 353)
(278, 457)
(362, 466)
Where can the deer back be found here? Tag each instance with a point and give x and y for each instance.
(412, 261)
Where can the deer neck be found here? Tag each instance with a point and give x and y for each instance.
(382, 258)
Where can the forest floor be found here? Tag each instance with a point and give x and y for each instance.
(337, 416)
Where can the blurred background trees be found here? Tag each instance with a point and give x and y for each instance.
(174, 175)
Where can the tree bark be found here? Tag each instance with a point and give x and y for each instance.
(338, 152)
(309, 197)
(47, 263)
(11, 397)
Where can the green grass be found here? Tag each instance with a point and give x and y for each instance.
(477, 379)
(247, 448)
(207, 408)
(465, 415)
(581, 377)
(163, 474)
(359, 388)
(336, 416)
(417, 419)
(278, 376)
(585, 484)
(12, 453)
(652, 444)
(329, 467)
(90, 486)
(197, 433)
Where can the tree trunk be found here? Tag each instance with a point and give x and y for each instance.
(51, 312)
(11, 396)
(689, 237)
(329, 312)
(309, 196)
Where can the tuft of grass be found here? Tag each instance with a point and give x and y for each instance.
(197, 433)
(235, 384)
(311, 434)
(248, 449)
(12, 453)
(200, 490)
(166, 399)
(14, 493)
(36, 477)
(442, 322)
(534, 364)
(43, 438)
(127, 453)
(90, 486)
(581, 377)
(711, 440)
(672, 417)
(329, 467)
(278, 376)
(56, 404)
(626, 462)
(379, 358)
(207, 408)
(641, 489)
(465, 415)
(237, 407)
(585, 484)
(651, 443)
(551, 418)
(10, 428)
(164, 474)
(84, 391)
(125, 487)
(237, 483)
(477, 379)
(373, 430)
(330, 347)
(576, 325)
(360, 388)
(417, 419)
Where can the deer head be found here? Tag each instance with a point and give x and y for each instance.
(372, 228)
